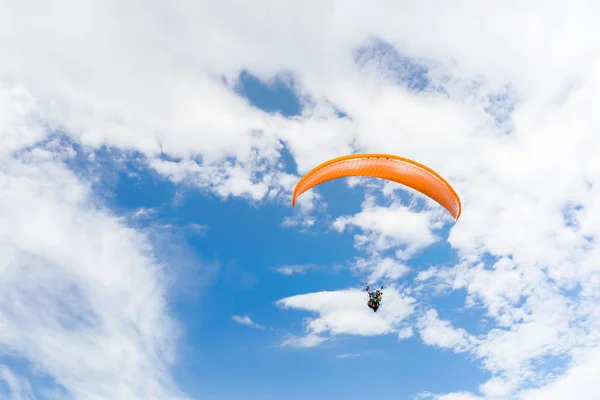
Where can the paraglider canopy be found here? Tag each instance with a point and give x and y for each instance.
(386, 166)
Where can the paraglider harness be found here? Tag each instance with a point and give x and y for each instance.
(374, 299)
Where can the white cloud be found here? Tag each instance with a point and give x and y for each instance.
(245, 320)
(303, 221)
(145, 78)
(497, 388)
(345, 312)
(448, 396)
(307, 341)
(385, 268)
(531, 320)
(405, 333)
(197, 228)
(144, 213)
(458, 396)
(348, 355)
(294, 269)
(437, 332)
(18, 125)
(393, 227)
(81, 299)
(18, 388)
(579, 382)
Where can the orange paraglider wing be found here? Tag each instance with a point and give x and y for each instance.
(385, 166)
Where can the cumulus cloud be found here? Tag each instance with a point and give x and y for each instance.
(437, 332)
(578, 382)
(531, 319)
(384, 268)
(405, 333)
(507, 112)
(344, 312)
(393, 227)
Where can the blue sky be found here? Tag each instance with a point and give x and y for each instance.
(232, 259)
(149, 249)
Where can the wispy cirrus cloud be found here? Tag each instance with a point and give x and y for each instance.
(294, 269)
(246, 320)
(77, 284)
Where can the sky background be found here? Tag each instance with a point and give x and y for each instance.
(149, 249)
